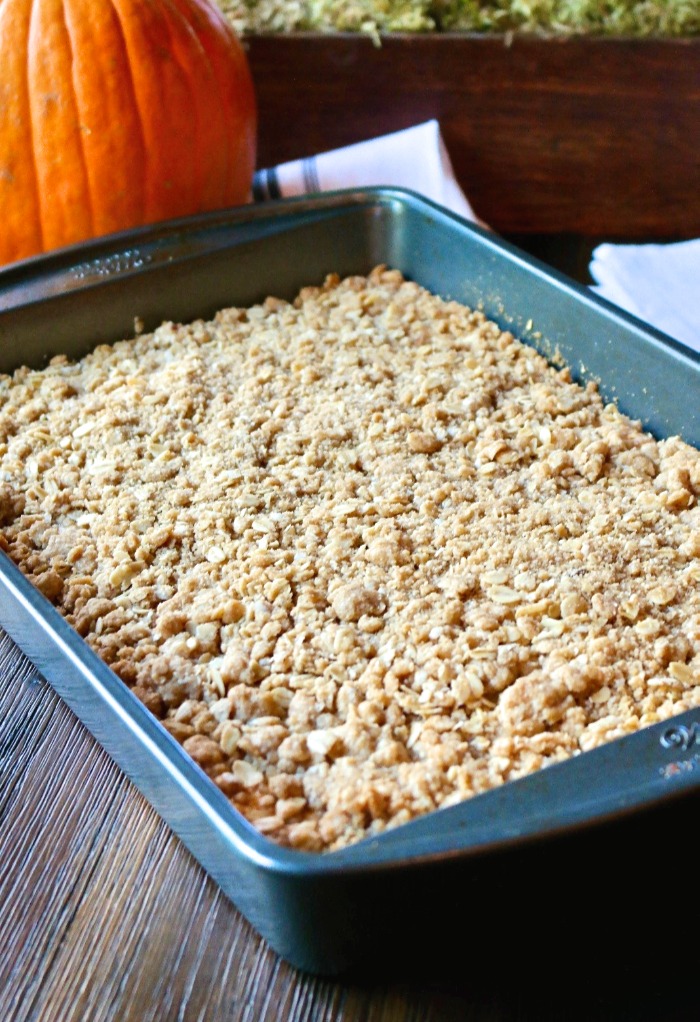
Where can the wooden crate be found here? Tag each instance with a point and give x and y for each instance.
(598, 137)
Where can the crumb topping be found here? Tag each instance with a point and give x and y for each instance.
(364, 555)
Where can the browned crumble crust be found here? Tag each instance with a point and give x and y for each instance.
(364, 555)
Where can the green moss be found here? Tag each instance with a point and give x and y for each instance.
(371, 16)
(608, 17)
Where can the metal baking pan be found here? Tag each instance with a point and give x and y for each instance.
(609, 819)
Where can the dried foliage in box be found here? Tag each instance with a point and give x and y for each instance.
(600, 17)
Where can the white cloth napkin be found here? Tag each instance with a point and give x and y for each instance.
(657, 283)
(414, 158)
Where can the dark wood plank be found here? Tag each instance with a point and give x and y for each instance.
(599, 137)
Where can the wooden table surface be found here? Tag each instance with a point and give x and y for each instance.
(107, 918)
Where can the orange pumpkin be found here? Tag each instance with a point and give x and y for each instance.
(116, 113)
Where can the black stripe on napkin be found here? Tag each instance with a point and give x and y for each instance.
(310, 173)
(266, 185)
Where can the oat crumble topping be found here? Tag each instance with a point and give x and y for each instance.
(364, 555)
